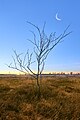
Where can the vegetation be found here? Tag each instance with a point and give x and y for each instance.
(60, 98)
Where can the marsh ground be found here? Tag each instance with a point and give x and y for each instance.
(60, 99)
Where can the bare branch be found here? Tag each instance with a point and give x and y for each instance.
(34, 36)
(42, 67)
(35, 27)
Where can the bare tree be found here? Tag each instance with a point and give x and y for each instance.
(42, 47)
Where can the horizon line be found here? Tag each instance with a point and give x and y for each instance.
(44, 72)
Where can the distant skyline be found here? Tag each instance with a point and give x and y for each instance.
(14, 31)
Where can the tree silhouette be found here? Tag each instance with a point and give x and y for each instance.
(42, 47)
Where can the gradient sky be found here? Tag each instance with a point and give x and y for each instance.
(14, 31)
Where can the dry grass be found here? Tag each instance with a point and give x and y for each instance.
(60, 99)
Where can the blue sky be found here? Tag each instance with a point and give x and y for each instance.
(14, 31)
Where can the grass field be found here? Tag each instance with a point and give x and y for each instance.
(60, 99)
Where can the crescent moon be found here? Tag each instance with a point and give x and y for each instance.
(57, 18)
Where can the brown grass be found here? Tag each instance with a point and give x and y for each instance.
(60, 99)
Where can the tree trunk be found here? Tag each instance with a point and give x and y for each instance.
(38, 87)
